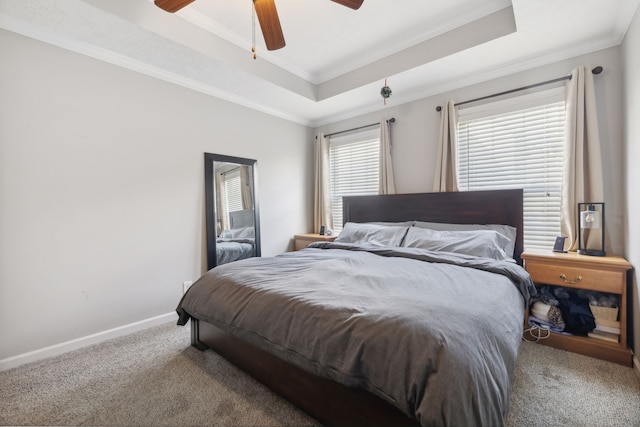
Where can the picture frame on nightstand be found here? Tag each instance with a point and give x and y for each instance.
(559, 245)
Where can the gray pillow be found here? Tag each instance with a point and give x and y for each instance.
(393, 224)
(480, 243)
(506, 230)
(238, 233)
(372, 234)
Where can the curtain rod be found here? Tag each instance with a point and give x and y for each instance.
(230, 170)
(596, 70)
(391, 120)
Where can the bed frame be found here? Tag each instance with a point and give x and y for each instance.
(325, 400)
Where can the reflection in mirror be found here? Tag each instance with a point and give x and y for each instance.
(233, 226)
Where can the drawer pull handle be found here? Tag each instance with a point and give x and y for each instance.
(564, 277)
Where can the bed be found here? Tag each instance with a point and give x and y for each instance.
(238, 241)
(374, 329)
(235, 244)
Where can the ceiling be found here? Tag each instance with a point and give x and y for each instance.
(336, 59)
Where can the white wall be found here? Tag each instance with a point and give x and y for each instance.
(102, 191)
(415, 133)
(631, 55)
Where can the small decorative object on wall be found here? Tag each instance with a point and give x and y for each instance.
(591, 229)
(385, 92)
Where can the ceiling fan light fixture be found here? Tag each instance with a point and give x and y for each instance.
(267, 17)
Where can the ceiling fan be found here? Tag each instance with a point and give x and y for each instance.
(267, 16)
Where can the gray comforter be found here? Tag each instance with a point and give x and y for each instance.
(228, 250)
(435, 334)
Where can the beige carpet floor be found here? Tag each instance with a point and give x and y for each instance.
(154, 378)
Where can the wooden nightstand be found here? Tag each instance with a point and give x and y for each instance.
(302, 240)
(602, 274)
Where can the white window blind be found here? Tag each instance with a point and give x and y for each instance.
(354, 168)
(233, 190)
(521, 148)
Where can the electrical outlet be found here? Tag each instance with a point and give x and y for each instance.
(186, 285)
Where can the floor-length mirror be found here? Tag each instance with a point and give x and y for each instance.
(233, 224)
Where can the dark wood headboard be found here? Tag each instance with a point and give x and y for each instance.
(465, 207)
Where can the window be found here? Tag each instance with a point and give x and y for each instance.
(518, 144)
(233, 190)
(354, 168)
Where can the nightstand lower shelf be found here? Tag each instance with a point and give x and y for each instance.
(593, 347)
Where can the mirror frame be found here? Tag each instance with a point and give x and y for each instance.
(210, 202)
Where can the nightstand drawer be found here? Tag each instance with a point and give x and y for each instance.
(577, 277)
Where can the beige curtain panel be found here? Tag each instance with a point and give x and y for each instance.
(246, 179)
(582, 180)
(387, 183)
(446, 174)
(322, 193)
(222, 223)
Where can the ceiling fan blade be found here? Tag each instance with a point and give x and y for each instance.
(172, 5)
(269, 23)
(353, 4)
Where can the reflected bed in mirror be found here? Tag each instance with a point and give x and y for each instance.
(233, 226)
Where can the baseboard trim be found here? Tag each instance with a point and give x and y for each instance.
(636, 365)
(57, 349)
